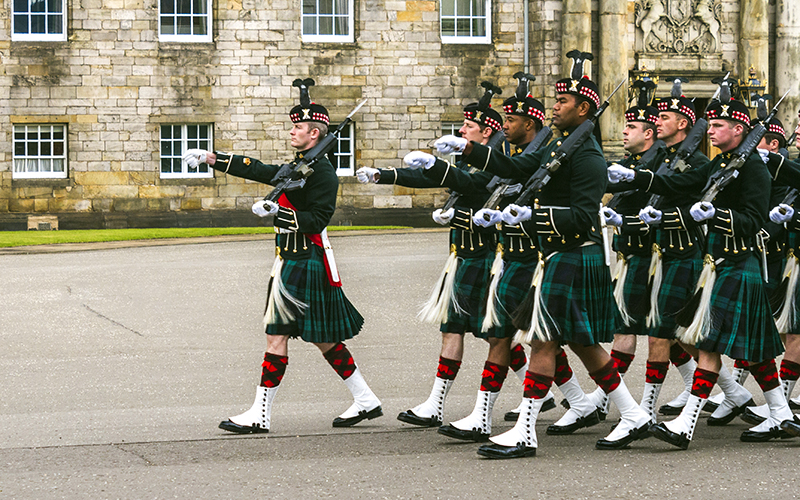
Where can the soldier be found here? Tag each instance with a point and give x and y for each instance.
(305, 298)
(458, 300)
(572, 296)
(732, 316)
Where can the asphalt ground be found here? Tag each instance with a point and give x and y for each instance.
(120, 360)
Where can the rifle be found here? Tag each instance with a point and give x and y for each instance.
(644, 160)
(496, 140)
(502, 187)
(687, 149)
(723, 177)
(562, 154)
(293, 176)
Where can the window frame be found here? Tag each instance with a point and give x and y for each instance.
(336, 152)
(349, 38)
(473, 40)
(15, 174)
(184, 174)
(40, 37)
(207, 38)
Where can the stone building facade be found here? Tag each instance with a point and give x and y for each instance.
(122, 89)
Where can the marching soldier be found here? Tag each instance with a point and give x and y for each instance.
(459, 297)
(729, 313)
(305, 298)
(572, 294)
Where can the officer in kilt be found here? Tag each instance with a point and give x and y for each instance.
(730, 312)
(632, 238)
(458, 299)
(515, 260)
(572, 297)
(305, 298)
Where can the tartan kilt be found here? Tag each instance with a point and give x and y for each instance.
(635, 289)
(512, 287)
(679, 279)
(578, 296)
(471, 287)
(775, 273)
(741, 320)
(330, 317)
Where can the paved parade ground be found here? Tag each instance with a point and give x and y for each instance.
(118, 365)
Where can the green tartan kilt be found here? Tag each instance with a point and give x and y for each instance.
(741, 320)
(634, 290)
(471, 288)
(330, 317)
(578, 296)
(679, 279)
(512, 287)
(775, 273)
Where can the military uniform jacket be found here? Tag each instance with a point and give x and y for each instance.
(565, 213)
(633, 237)
(468, 239)
(740, 208)
(678, 235)
(314, 204)
(517, 246)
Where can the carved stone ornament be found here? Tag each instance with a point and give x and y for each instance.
(679, 26)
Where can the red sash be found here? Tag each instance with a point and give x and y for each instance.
(316, 239)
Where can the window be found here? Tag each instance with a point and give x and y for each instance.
(342, 155)
(175, 139)
(451, 128)
(466, 21)
(184, 20)
(328, 21)
(39, 20)
(40, 152)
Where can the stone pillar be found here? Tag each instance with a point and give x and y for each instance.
(753, 47)
(612, 67)
(787, 55)
(576, 32)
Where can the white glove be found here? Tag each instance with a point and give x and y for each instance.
(194, 157)
(366, 175)
(618, 173)
(782, 213)
(764, 154)
(522, 214)
(650, 215)
(699, 212)
(493, 216)
(263, 208)
(450, 144)
(610, 217)
(445, 217)
(419, 159)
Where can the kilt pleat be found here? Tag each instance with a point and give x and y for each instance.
(741, 320)
(579, 298)
(511, 289)
(329, 316)
(677, 287)
(471, 289)
(633, 290)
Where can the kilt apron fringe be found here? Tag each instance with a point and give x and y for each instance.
(491, 319)
(539, 316)
(277, 310)
(656, 275)
(700, 326)
(443, 295)
(785, 314)
(620, 274)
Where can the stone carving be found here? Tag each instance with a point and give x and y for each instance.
(679, 26)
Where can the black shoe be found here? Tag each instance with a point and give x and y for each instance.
(661, 432)
(623, 442)
(587, 421)
(791, 426)
(670, 410)
(241, 429)
(710, 406)
(498, 451)
(715, 422)
(762, 437)
(363, 414)
(471, 435)
(793, 405)
(409, 418)
(548, 405)
(751, 417)
(565, 403)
